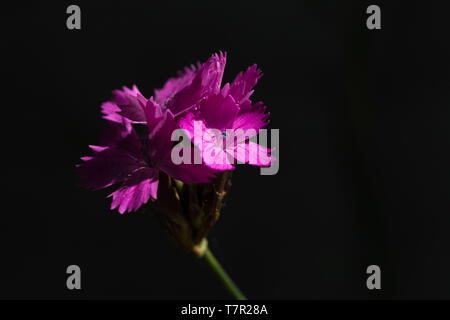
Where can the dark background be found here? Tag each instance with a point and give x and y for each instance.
(364, 137)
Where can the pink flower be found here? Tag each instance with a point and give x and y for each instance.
(222, 125)
(196, 96)
(178, 94)
(135, 160)
(137, 145)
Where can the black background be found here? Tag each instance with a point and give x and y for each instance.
(364, 137)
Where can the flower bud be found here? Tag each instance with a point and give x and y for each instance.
(189, 211)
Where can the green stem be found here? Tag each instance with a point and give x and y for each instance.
(223, 276)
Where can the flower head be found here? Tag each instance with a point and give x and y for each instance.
(136, 148)
(227, 121)
(136, 159)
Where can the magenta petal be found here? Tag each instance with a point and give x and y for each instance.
(187, 124)
(213, 151)
(219, 111)
(253, 153)
(251, 120)
(175, 85)
(136, 190)
(133, 108)
(134, 91)
(106, 168)
(191, 173)
(110, 111)
(125, 102)
(217, 157)
(114, 161)
(115, 132)
(241, 87)
(159, 139)
(97, 149)
(153, 113)
(207, 80)
(120, 95)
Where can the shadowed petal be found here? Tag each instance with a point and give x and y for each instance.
(97, 149)
(124, 102)
(253, 153)
(241, 87)
(121, 134)
(106, 168)
(175, 85)
(219, 111)
(136, 190)
(251, 120)
(159, 139)
(207, 80)
(132, 107)
(110, 111)
(153, 113)
(114, 160)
